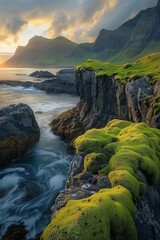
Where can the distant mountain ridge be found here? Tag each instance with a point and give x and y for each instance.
(135, 38)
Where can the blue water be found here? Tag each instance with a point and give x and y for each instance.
(28, 188)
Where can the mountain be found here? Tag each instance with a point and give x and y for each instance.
(135, 38)
(4, 56)
(41, 52)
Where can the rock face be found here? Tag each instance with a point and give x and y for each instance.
(104, 98)
(42, 74)
(19, 131)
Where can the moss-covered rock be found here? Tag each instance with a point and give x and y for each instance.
(104, 215)
(132, 147)
(131, 152)
(93, 162)
(146, 66)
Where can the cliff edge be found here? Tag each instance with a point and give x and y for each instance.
(128, 92)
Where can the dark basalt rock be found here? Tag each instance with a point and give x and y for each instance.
(18, 232)
(103, 99)
(67, 74)
(15, 232)
(63, 82)
(42, 74)
(26, 84)
(19, 131)
(148, 214)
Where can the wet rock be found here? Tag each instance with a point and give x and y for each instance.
(19, 131)
(42, 74)
(56, 85)
(15, 232)
(26, 84)
(63, 82)
(67, 74)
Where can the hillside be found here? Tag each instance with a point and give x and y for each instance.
(41, 52)
(146, 66)
(135, 38)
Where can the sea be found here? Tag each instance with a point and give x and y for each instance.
(29, 186)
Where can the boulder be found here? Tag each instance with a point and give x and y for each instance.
(67, 74)
(64, 82)
(15, 232)
(42, 74)
(57, 86)
(19, 131)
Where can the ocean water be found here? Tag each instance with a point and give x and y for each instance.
(22, 74)
(29, 187)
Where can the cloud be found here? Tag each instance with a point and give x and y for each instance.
(60, 23)
(91, 16)
(15, 24)
(79, 20)
(90, 7)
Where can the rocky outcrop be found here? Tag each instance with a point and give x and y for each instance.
(63, 82)
(104, 98)
(120, 157)
(67, 74)
(42, 74)
(19, 131)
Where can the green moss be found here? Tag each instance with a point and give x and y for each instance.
(104, 215)
(132, 151)
(131, 147)
(94, 141)
(146, 66)
(93, 161)
(156, 107)
(126, 179)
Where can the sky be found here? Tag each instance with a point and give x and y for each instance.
(78, 20)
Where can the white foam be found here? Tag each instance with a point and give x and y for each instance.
(57, 181)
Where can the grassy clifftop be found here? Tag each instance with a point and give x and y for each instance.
(146, 66)
(131, 152)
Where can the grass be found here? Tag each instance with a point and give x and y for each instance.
(146, 66)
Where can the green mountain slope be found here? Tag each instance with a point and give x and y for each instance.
(146, 66)
(41, 52)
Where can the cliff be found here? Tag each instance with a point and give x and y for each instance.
(128, 92)
(113, 186)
